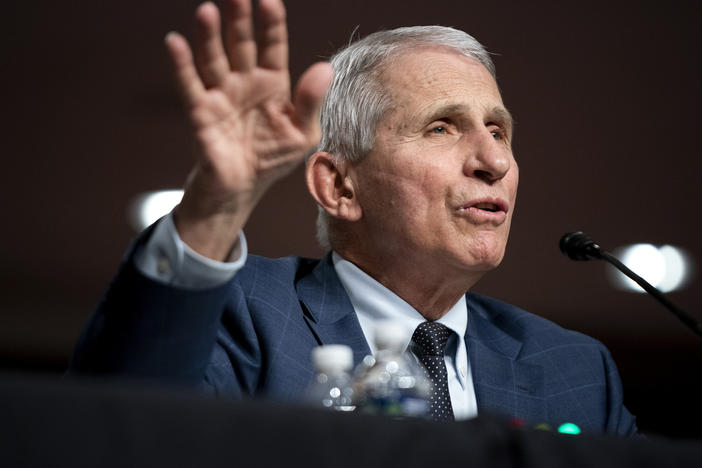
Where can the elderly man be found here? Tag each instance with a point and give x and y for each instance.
(416, 184)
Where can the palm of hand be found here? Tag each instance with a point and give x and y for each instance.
(249, 131)
(246, 131)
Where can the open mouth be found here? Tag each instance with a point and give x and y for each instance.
(491, 207)
(493, 210)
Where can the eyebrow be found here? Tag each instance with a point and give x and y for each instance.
(497, 114)
(503, 117)
(449, 109)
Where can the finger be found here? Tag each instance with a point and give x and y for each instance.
(210, 58)
(272, 35)
(187, 79)
(239, 36)
(309, 95)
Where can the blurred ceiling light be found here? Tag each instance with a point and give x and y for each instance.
(146, 208)
(667, 268)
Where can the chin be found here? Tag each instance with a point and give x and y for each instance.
(484, 256)
(485, 264)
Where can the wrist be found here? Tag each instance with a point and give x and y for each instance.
(211, 230)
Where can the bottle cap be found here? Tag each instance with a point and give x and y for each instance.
(332, 358)
(390, 335)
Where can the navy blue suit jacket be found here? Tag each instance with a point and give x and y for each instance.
(254, 334)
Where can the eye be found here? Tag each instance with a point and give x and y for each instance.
(442, 126)
(498, 132)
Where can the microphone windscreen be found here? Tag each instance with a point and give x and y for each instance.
(578, 246)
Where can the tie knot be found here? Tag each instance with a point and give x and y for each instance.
(431, 338)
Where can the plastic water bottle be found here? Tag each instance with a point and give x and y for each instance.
(332, 385)
(390, 382)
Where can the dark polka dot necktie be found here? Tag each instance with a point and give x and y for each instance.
(431, 337)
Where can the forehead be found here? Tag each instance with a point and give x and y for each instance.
(430, 77)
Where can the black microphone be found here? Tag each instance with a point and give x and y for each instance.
(578, 246)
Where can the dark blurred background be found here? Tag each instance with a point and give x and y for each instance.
(606, 97)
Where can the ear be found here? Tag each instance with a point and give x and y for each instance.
(329, 183)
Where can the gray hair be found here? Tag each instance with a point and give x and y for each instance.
(357, 99)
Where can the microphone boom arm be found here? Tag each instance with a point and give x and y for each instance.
(578, 246)
(653, 291)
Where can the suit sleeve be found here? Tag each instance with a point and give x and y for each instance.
(619, 420)
(145, 329)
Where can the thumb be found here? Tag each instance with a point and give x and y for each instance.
(309, 94)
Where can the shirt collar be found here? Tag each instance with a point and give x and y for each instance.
(374, 303)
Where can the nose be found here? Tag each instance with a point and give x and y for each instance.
(487, 158)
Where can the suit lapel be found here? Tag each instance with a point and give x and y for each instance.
(328, 310)
(503, 384)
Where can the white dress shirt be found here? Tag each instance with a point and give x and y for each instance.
(167, 259)
(374, 303)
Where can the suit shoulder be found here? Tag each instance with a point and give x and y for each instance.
(284, 270)
(525, 326)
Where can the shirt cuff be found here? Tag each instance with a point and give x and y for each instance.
(167, 259)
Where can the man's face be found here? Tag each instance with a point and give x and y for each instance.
(440, 184)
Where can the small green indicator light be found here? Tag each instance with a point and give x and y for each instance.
(569, 428)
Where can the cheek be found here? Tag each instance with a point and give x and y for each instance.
(407, 187)
(396, 200)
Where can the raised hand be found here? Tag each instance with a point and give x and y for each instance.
(250, 132)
